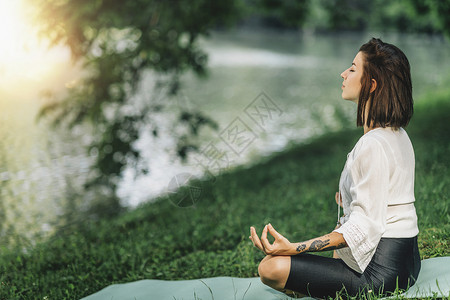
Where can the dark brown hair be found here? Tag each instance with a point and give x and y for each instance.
(391, 103)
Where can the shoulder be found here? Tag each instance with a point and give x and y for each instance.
(371, 150)
(371, 143)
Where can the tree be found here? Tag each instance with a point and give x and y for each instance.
(117, 41)
(347, 14)
(436, 10)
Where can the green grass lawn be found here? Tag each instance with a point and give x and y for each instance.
(294, 190)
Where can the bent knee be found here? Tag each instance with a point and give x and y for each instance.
(274, 270)
(263, 267)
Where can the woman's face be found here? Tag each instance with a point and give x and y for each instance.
(351, 87)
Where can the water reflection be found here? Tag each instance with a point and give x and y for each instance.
(42, 170)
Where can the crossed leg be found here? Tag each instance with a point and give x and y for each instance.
(274, 272)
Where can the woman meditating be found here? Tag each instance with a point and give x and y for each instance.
(376, 238)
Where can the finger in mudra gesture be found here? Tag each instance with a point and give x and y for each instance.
(281, 245)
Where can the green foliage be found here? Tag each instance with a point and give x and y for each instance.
(347, 14)
(279, 13)
(293, 190)
(430, 16)
(436, 11)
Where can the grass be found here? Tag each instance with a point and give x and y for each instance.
(294, 190)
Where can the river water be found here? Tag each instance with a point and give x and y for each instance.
(265, 90)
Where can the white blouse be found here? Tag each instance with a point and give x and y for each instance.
(377, 188)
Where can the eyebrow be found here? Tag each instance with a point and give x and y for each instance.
(353, 64)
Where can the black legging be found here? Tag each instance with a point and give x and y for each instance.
(396, 262)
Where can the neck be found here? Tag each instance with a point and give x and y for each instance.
(367, 129)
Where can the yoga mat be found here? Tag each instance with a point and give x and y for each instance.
(434, 280)
(220, 288)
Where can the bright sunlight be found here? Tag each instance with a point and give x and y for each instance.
(24, 59)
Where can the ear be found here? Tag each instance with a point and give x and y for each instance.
(373, 86)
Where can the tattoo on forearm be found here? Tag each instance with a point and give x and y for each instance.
(318, 245)
(301, 247)
(339, 246)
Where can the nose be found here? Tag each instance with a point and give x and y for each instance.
(344, 74)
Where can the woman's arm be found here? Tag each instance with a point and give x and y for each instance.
(281, 245)
(331, 241)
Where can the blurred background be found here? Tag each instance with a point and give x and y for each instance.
(103, 104)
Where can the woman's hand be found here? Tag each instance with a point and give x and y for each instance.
(281, 245)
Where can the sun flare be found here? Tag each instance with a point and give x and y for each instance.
(24, 58)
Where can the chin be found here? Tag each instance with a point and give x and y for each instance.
(350, 99)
